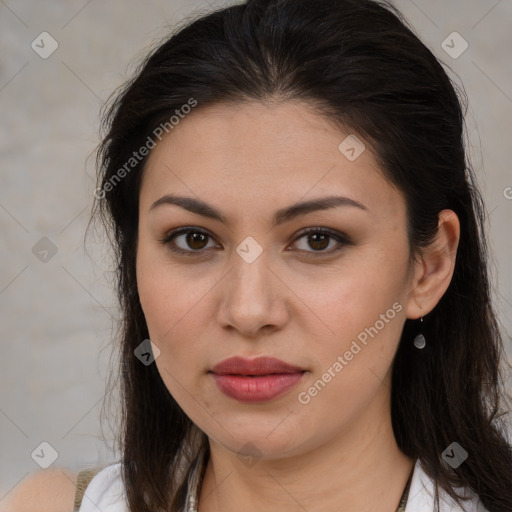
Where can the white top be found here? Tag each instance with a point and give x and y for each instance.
(105, 492)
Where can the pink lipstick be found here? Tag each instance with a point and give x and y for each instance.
(255, 380)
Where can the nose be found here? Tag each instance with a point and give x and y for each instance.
(254, 298)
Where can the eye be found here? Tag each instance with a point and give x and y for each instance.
(318, 239)
(192, 240)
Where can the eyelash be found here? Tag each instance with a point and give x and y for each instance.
(339, 237)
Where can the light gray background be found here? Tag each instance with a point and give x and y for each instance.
(57, 317)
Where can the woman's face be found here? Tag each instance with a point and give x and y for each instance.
(244, 286)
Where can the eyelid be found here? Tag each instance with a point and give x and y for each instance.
(340, 237)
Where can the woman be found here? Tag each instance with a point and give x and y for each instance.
(302, 272)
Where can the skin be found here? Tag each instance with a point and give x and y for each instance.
(49, 490)
(294, 302)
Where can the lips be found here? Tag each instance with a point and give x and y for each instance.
(255, 380)
(259, 366)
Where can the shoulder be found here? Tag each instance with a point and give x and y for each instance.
(49, 490)
(54, 490)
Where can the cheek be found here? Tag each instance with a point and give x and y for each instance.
(174, 308)
(171, 310)
(362, 308)
(164, 293)
(351, 366)
(355, 297)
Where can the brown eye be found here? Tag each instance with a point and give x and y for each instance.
(195, 240)
(320, 239)
(187, 241)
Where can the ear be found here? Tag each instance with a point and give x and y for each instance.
(434, 270)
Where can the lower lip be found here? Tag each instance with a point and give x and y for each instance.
(258, 388)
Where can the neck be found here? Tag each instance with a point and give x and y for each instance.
(360, 469)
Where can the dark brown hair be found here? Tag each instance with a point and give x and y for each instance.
(359, 64)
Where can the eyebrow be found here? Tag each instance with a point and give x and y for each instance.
(281, 216)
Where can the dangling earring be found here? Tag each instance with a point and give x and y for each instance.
(419, 340)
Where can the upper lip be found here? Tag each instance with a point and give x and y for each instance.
(259, 366)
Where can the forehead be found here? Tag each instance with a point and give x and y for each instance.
(268, 153)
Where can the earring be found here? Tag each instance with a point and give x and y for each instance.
(419, 340)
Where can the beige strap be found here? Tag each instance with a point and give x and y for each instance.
(82, 481)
